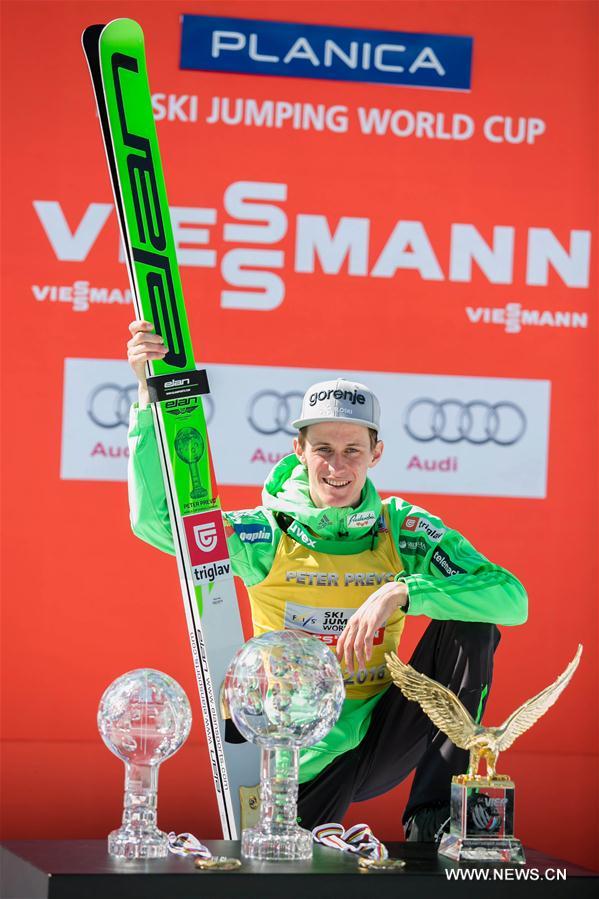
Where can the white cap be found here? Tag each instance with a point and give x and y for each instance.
(339, 400)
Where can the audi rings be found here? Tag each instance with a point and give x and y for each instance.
(476, 422)
(270, 412)
(108, 404)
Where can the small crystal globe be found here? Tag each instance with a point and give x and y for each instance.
(285, 690)
(144, 717)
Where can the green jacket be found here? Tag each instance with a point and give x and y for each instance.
(447, 578)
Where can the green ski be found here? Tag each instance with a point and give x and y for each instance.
(116, 58)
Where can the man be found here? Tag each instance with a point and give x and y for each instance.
(336, 561)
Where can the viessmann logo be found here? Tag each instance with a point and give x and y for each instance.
(255, 47)
(254, 275)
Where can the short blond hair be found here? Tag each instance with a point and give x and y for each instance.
(301, 437)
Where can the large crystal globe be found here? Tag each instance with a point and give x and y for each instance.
(284, 688)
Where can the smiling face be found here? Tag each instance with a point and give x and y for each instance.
(337, 456)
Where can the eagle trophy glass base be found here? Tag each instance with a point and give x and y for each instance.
(482, 822)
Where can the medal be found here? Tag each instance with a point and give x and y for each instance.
(217, 863)
(380, 864)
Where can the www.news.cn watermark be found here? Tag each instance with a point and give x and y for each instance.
(505, 874)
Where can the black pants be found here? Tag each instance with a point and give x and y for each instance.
(401, 737)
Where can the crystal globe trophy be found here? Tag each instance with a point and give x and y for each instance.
(144, 717)
(284, 690)
(189, 446)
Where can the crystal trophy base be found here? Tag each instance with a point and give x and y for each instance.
(138, 836)
(277, 835)
(127, 842)
(482, 823)
(292, 842)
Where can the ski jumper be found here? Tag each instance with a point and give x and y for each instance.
(309, 569)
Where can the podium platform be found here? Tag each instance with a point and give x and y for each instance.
(82, 869)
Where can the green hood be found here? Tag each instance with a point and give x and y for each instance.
(286, 490)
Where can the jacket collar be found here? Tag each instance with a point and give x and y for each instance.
(287, 491)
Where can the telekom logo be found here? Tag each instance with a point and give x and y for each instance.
(205, 536)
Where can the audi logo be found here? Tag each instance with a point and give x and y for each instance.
(108, 405)
(270, 412)
(476, 422)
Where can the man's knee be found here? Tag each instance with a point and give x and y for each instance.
(475, 634)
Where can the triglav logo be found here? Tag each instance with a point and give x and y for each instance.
(205, 536)
(207, 546)
(477, 422)
(417, 524)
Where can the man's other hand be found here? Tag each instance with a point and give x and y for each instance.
(358, 636)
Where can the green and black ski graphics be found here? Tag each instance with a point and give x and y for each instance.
(116, 58)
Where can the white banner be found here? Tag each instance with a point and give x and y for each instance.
(443, 433)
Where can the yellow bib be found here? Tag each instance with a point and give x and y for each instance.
(317, 593)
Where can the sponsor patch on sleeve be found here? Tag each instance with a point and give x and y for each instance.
(444, 564)
(413, 547)
(253, 533)
(419, 524)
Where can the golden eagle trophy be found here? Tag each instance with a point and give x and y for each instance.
(482, 806)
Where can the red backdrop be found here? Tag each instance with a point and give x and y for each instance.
(84, 600)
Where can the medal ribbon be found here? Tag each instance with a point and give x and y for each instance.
(359, 839)
(187, 844)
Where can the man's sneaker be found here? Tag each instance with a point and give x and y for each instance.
(428, 823)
